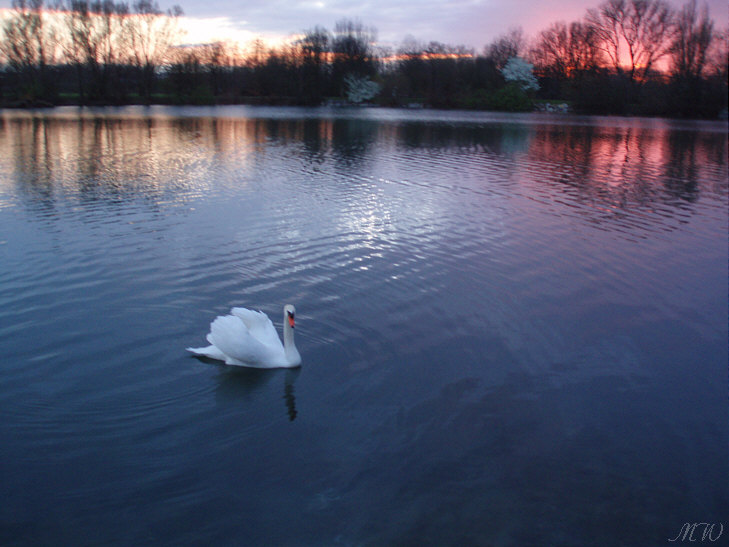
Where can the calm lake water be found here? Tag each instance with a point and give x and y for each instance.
(513, 328)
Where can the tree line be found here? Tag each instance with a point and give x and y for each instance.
(641, 57)
(93, 51)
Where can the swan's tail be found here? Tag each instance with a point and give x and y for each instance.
(210, 351)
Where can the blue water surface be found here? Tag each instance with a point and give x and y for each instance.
(513, 327)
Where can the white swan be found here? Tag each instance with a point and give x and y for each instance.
(247, 338)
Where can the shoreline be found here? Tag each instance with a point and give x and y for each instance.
(414, 111)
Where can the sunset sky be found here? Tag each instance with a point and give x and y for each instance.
(472, 23)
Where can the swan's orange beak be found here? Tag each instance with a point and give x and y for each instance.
(291, 320)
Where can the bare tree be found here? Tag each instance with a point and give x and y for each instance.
(692, 38)
(506, 46)
(27, 45)
(352, 47)
(410, 46)
(111, 22)
(551, 51)
(718, 55)
(21, 31)
(585, 50)
(314, 47)
(352, 52)
(634, 34)
(152, 33)
(97, 45)
(81, 48)
(563, 51)
(186, 74)
(222, 58)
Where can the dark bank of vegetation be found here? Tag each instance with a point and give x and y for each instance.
(633, 57)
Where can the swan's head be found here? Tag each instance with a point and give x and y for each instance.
(289, 315)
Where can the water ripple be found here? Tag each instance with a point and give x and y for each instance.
(450, 272)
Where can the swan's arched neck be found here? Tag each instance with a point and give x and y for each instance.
(292, 354)
(288, 336)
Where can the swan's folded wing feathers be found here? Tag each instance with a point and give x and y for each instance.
(259, 326)
(232, 337)
(249, 317)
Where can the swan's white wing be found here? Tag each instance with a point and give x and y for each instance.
(233, 338)
(259, 326)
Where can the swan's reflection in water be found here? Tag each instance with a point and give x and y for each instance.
(236, 382)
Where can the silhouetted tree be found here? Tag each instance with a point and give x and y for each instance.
(98, 47)
(633, 34)
(440, 73)
(28, 46)
(693, 33)
(564, 51)
(222, 59)
(563, 54)
(151, 34)
(185, 75)
(352, 52)
(410, 70)
(506, 46)
(604, 63)
(314, 48)
(204, 74)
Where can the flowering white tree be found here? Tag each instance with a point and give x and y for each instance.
(360, 88)
(519, 71)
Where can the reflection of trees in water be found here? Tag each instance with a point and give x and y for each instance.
(690, 155)
(348, 140)
(351, 140)
(627, 167)
(92, 159)
(495, 138)
(154, 160)
(682, 172)
(314, 140)
(32, 158)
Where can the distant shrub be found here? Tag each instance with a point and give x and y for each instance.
(512, 98)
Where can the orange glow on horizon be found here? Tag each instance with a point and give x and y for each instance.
(425, 56)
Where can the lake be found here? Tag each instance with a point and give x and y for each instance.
(513, 327)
